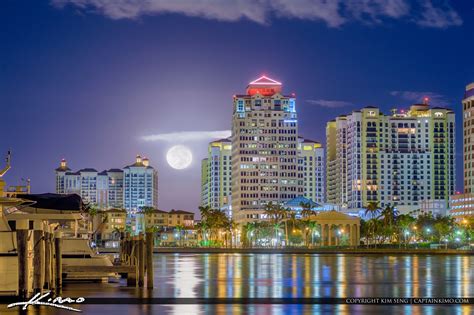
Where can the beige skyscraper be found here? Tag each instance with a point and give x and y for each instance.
(216, 175)
(264, 149)
(399, 159)
(468, 138)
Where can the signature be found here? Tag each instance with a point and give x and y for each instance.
(56, 302)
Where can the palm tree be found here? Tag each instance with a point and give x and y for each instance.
(147, 210)
(249, 230)
(404, 222)
(202, 229)
(307, 209)
(372, 208)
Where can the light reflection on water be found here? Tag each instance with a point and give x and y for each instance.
(287, 275)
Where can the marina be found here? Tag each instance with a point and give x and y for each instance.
(180, 278)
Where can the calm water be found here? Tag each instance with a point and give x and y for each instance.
(288, 275)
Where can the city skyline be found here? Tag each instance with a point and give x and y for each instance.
(127, 98)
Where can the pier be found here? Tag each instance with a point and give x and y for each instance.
(41, 265)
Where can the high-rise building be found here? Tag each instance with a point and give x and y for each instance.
(398, 159)
(468, 138)
(216, 175)
(312, 170)
(204, 182)
(141, 185)
(131, 188)
(336, 161)
(264, 149)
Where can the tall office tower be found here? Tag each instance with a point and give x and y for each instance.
(104, 189)
(264, 149)
(398, 159)
(468, 138)
(312, 170)
(140, 185)
(218, 175)
(336, 161)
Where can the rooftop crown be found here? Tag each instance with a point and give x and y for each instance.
(264, 86)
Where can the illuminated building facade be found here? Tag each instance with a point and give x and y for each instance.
(264, 149)
(130, 188)
(468, 138)
(104, 189)
(398, 159)
(336, 161)
(216, 175)
(140, 185)
(312, 169)
(462, 205)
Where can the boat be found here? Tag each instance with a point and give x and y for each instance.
(9, 254)
(78, 252)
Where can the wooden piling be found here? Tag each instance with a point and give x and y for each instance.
(149, 260)
(58, 260)
(22, 250)
(141, 261)
(132, 277)
(38, 258)
(47, 259)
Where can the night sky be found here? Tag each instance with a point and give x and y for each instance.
(86, 80)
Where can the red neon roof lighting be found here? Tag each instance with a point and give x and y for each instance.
(264, 80)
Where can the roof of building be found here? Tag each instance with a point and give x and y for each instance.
(334, 215)
(154, 211)
(137, 165)
(92, 170)
(180, 212)
(264, 80)
(69, 202)
(222, 140)
(296, 202)
(63, 169)
(104, 172)
(115, 170)
(309, 140)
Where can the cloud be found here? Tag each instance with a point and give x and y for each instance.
(417, 97)
(182, 136)
(329, 103)
(438, 17)
(332, 12)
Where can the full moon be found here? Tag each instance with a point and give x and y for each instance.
(179, 157)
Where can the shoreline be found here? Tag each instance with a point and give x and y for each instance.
(351, 251)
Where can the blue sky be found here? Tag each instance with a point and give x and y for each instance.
(87, 80)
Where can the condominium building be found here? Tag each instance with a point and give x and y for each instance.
(130, 188)
(336, 161)
(216, 175)
(264, 149)
(204, 182)
(398, 159)
(468, 138)
(141, 185)
(312, 169)
(104, 189)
